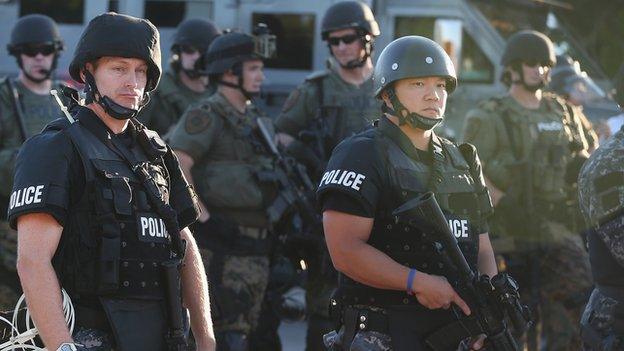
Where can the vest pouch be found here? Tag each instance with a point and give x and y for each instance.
(136, 324)
(230, 184)
(108, 266)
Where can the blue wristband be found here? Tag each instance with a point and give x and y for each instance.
(410, 281)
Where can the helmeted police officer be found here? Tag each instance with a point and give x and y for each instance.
(329, 106)
(26, 106)
(222, 156)
(392, 289)
(600, 183)
(98, 205)
(185, 83)
(532, 144)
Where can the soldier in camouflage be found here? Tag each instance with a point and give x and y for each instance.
(26, 106)
(185, 83)
(601, 193)
(532, 146)
(328, 107)
(219, 152)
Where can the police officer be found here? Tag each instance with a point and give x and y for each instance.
(532, 145)
(220, 153)
(392, 288)
(330, 105)
(98, 205)
(26, 106)
(185, 83)
(602, 324)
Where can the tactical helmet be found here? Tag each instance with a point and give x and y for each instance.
(113, 34)
(568, 80)
(196, 32)
(34, 29)
(529, 45)
(231, 48)
(349, 14)
(411, 57)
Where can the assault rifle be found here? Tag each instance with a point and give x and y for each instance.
(492, 301)
(296, 193)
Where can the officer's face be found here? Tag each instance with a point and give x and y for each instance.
(425, 96)
(346, 46)
(188, 57)
(37, 60)
(535, 73)
(121, 79)
(253, 75)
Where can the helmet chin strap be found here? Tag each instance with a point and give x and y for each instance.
(112, 108)
(531, 88)
(47, 73)
(357, 63)
(414, 119)
(240, 86)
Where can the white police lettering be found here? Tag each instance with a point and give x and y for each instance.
(459, 227)
(153, 228)
(549, 126)
(346, 178)
(26, 196)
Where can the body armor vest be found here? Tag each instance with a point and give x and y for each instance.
(115, 239)
(463, 202)
(605, 268)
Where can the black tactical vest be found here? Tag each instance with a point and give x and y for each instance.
(459, 197)
(115, 241)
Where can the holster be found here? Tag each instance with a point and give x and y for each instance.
(137, 325)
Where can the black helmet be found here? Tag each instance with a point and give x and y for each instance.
(568, 80)
(349, 14)
(113, 34)
(529, 45)
(411, 57)
(196, 32)
(34, 29)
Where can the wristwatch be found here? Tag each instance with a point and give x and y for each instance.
(67, 347)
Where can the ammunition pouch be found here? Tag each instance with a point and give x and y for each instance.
(137, 324)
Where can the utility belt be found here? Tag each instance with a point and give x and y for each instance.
(223, 236)
(364, 295)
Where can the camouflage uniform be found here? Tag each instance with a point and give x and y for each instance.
(234, 242)
(38, 110)
(601, 202)
(168, 103)
(536, 148)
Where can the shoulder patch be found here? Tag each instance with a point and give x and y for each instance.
(291, 101)
(318, 75)
(197, 120)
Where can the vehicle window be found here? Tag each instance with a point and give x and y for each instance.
(422, 26)
(165, 13)
(295, 39)
(475, 67)
(67, 11)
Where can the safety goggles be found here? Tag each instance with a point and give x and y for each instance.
(537, 63)
(347, 39)
(34, 50)
(188, 49)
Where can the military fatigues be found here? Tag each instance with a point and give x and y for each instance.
(37, 111)
(371, 175)
(529, 156)
(235, 241)
(114, 239)
(601, 192)
(333, 109)
(168, 102)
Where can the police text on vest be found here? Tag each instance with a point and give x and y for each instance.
(152, 228)
(26, 196)
(459, 227)
(349, 179)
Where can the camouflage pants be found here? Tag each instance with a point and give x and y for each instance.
(237, 290)
(564, 280)
(10, 289)
(363, 341)
(93, 339)
(600, 315)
